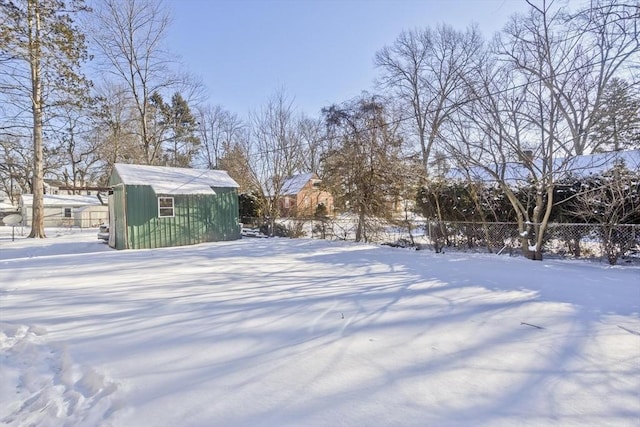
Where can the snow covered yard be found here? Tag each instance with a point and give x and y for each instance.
(278, 332)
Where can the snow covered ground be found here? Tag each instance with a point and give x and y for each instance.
(279, 332)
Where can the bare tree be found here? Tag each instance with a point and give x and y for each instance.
(534, 105)
(575, 55)
(312, 144)
(41, 50)
(274, 151)
(509, 137)
(426, 70)
(115, 127)
(219, 131)
(16, 167)
(129, 35)
(80, 153)
(611, 199)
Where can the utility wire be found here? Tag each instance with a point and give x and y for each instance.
(430, 111)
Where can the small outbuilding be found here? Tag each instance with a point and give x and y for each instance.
(157, 206)
(65, 210)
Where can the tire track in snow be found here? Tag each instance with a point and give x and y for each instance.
(49, 389)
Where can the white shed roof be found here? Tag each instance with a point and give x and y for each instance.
(170, 180)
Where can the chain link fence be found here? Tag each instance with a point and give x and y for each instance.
(579, 241)
(606, 242)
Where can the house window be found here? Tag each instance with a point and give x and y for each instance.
(287, 203)
(165, 207)
(67, 212)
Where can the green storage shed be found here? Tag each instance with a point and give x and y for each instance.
(157, 206)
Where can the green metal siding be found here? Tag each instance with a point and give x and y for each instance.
(223, 222)
(142, 212)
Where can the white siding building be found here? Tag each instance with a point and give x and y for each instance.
(62, 210)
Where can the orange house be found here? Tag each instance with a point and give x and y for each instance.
(302, 194)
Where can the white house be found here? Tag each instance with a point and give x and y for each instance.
(61, 210)
(6, 208)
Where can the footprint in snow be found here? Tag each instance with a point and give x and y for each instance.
(48, 388)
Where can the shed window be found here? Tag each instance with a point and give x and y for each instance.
(165, 207)
(67, 212)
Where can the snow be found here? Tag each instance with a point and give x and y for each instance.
(598, 163)
(280, 332)
(62, 200)
(294, 184)
(170, 180)
(577, 166)
(7, 207)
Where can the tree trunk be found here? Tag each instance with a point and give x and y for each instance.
(37, 221)
(360, 227)
(476, 202)
(525, 229)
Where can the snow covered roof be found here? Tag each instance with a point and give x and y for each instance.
(577, 166)
(62, 200)
(513, 173)
(170, 180)
(594, 164)
(7, 207)
(293, 185)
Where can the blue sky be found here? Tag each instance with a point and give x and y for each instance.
(320, 51)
